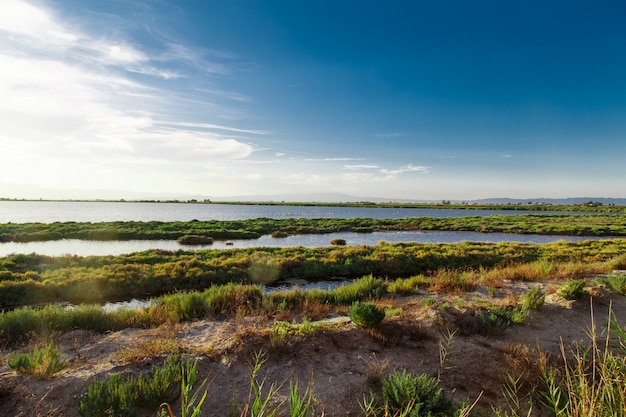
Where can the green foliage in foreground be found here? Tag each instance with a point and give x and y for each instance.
(227, 300)
(35, 279)
(43, 362)
(592, 380)
(365, 314)
(533, 298)
(572, 289)
(121, 396)
(412, 395)
(555, 224)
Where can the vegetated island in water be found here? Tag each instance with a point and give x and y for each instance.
(542, 224)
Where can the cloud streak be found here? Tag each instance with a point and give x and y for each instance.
(100, 105)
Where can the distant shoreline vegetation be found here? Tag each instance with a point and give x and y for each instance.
(590, 206)
(541, 224)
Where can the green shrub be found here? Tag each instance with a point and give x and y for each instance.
(415, 395)
(365, 314)
(120, 396)
(572, 289)
(114, 397)
(160, 385)
(42, 362)
(533, 298)
(500, 318)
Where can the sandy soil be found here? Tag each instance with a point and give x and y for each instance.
(344, 362)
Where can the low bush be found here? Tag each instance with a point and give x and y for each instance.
(415, 395)
(533, 298)
(120, 396)
(572, 289)
(365, 314)
(42, 362)
(501, 318)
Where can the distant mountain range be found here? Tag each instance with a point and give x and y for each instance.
(30, 192)
(570, 201)
(346, 198)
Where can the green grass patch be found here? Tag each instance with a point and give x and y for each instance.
(42, 362)
(122, 396)
(617, 282)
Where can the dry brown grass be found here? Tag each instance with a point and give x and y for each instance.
(376, 368)
(454, 282)
(148, 349)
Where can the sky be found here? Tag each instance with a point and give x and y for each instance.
(412, 100)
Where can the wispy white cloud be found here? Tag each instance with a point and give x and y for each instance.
(360, 167)
(71, 96)
(506, 156)
(214, 127)
(408, 168)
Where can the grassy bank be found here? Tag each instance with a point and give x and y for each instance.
(544, 224)
(35, 279)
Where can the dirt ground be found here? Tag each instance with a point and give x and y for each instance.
(344, 362)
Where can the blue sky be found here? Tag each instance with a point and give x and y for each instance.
(399, 99)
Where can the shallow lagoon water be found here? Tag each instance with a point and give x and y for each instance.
(78, 211)
(98, 248)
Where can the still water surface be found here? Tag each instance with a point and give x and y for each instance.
(71, 211)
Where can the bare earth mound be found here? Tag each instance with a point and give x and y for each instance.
(344, 362)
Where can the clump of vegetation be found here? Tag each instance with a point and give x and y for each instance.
(533, 298)
(366, 314)
(43, 362)
(279, 234)
(572, 289)
(282, 331)
(501, 318)
(411, 395)
(407, 286)
(338, 242)
(121, 396)
(195, 240)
